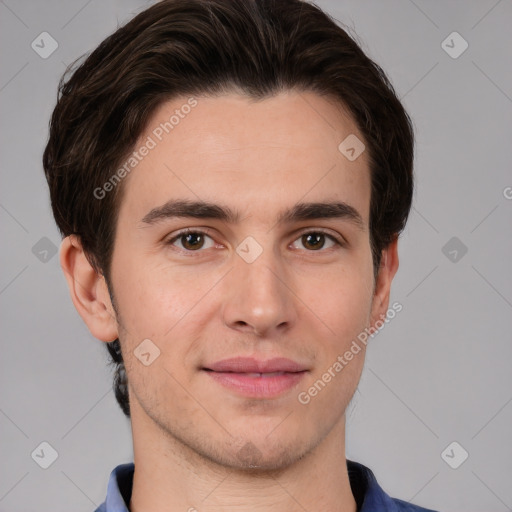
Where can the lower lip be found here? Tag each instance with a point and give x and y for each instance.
(257, 387)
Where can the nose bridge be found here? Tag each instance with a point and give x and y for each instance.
(258, 296)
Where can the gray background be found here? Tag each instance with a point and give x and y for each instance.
(438, 373)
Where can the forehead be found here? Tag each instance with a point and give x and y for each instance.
(255, 156)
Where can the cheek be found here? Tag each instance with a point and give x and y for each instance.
(343, 305)
(341, 298)
(153, 299)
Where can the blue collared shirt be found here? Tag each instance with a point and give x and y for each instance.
(368, 494)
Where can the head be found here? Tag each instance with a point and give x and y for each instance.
(196, 82)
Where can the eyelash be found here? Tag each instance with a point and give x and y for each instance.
(189, 231)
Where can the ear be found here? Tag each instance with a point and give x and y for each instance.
(387, 270)
(88, 290)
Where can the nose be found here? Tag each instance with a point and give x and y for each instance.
(258, 297)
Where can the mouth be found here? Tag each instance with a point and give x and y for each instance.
(265, 375)
(255, 378)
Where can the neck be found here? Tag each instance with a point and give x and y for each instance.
(170, 476)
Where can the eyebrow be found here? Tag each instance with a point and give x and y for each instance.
(179, 208)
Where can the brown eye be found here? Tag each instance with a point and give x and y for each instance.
(191, 241)
(313, 241)
(316, 240)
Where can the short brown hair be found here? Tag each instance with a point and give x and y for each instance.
(194, 47)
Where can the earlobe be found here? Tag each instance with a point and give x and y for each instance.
(387, 271)
(88, 290)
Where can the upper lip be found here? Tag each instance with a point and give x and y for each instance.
(252, 365)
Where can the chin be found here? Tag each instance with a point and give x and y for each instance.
(265, 454)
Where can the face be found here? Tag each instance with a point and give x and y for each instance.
(274, 279)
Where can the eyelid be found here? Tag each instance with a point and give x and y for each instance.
(175, 236)
(335, 237)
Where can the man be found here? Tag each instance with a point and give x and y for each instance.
(231, 177)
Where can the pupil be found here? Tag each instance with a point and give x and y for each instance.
(318, 237)
(192, 235)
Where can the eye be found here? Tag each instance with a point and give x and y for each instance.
(190, 240)
(315, 240)
(194, 240)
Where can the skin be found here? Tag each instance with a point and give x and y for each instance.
(295, 300)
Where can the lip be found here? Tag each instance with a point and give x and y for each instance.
(253, 365)
(255, 378)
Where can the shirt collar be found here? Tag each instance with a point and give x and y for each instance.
(369, 496)
(119, 490)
